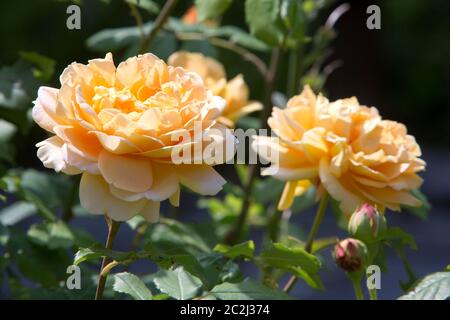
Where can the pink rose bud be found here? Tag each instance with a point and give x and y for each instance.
(350, 254)
(367, 224)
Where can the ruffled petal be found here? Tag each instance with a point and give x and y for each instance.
(51, 154)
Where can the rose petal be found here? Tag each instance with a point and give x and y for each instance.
(127, 173)
(51, 154)
(96, 199)
(202, 179)
(151, 211)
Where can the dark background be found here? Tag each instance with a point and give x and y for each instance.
(402, 69)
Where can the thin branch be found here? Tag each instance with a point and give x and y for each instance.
(113, 227)
(159, 23)
(218, 42)
(139, 22)
(311, 236)
(234, 234)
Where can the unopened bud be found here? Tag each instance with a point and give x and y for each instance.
(350, 254)
(367, 224)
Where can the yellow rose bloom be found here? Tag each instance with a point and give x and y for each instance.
(119, 128)
(346, 148)
(235, 92)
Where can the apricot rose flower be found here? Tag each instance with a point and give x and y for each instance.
(347, 148)
(235, 92)
(119, 127)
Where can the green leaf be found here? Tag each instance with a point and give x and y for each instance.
(246, 290)
(209, 9)
(435, 286)
(47, 191)
(148, 5)
(52, 235)
(245, 249)
(262, 16)
(7, 131)
(85, 254)
(424, 209)
(174, 235)
(16, 212)
(115, 38)
(210, 268)
(399, 238)
(45, 267)
(322, 243)
(130, 284)
(293, 259)
(44, 66)
(136, 222)
(341, 220)
(17, 86)
(177, 283)
(280, 256)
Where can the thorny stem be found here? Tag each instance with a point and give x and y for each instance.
(158, 25)
(233, 236)
(311, 236)
(113, 227)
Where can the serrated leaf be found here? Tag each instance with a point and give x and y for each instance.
(130, 284)
(245, 249)
(293, 259)
(435, 286)
(85, 254)
(210, 268)
(280, 256)
(209, 9)
(177, 283)
(261, 17)
(246, 290)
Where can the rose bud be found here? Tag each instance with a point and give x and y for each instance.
(367, 223)
(350, 254)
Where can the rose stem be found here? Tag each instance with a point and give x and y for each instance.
(358, 290)
(234, 235)
(312, 235)
(159, 23)
(373, 294)
(113, 227)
